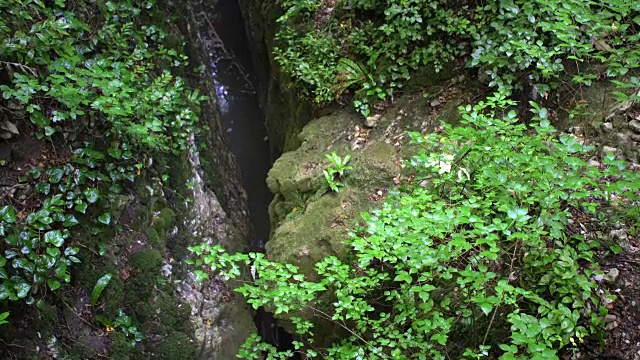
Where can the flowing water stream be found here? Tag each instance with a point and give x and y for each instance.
(240, 112)
(243, 122)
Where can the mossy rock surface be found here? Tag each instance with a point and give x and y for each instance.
(307, 238)
(309, 222)
(177, 346)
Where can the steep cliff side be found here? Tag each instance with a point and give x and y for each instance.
(286, 112)
(150, 307)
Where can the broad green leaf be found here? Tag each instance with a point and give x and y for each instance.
(200, 275)
(102, 248)
(5, 292)
(92, 195)
(35, 173)
(7, 213)
(61, 270)
(81, 207)
(55, 175)
(22, 289)
(54, 252)
(71, 251)
(70, 220)
(101, 284)
(403, 276)
(485, 307)
(543, 113)
(54, 237)
(53, 284)
(105, 218)
(43, 188)
(3, 318)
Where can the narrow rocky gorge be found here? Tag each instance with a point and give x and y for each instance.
(253, 180)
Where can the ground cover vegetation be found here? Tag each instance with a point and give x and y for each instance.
(486, 255)
(485, 259)
(372, 48)
(97, 83)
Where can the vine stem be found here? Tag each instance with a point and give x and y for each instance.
(484, 340)
(341, 325)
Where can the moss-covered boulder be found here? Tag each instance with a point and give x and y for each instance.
(310, 222)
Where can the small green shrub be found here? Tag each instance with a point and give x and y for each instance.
(482, 262)
(335, 173)
(83, 71)
(122, 324)
(374, 47)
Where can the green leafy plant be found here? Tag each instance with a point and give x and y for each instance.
(124, 324)
(374, 47)
(101, 284)
(335, 173)
(482, 262)
(3, 318)
(81, 73)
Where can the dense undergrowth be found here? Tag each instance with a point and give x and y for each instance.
(97, 83)
(374, 47)
(486, 254)
(486, 258)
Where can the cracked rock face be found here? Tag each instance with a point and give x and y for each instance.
(221, 318)
(612, 126)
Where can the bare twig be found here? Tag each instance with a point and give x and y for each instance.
(31, 70)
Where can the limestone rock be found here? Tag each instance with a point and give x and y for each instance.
(607, 127)
(611, 276)
(371, 121)
(8, 130)
(10, 127)
(222, 319)
(594, 163)
(621, 140)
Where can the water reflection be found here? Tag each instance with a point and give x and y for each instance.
(241, 115)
